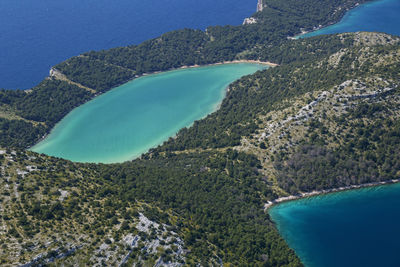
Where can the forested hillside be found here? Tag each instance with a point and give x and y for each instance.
(253, 97)
(327, 116)
(324, 119)
(198, 208)
(80, 78)
(103, 70)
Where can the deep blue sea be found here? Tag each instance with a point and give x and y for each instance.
(37, 34)
(376, 16)
(352, 228)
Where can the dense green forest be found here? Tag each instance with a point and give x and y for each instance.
(305, 14)
(221, 193)
(328, 116)
(258, 94)
(39, 109)
(103, 70)
(209, 185)
(276, 22)
(17, 133)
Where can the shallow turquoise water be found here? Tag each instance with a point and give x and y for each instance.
(376, 16)
(351, 228)
(141, 114)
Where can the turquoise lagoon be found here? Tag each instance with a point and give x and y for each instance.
(376, 16)
(350, 228)
(129, 120)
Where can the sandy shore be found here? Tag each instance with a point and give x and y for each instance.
(327, 191)
(271, 64)
(233, 62)
(244, 61)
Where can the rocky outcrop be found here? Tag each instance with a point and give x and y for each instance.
(260, 5)
(250, 20)
(58, 75)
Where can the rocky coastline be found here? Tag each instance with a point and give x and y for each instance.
(326, 191)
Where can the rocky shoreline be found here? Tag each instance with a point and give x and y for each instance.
(252, 20)
(319, 27)
(326, 191)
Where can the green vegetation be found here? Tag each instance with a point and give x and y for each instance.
(108, 68)
(291, 15)
(103, 70)
(368, 153)
(254, 96)
(217, 211)
(50, 101)
(17, 133)
(278, 132)
(39, 109)
(327, 116)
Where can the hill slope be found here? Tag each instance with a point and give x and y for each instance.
(327, 117)
(33, 113)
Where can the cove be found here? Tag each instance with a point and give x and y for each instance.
(129, 120)
(350, 228)
(376, 16)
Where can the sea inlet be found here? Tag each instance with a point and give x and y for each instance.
(374, 16)
(127, 121)
(350, 228)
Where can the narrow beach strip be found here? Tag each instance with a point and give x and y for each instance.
(326, 191)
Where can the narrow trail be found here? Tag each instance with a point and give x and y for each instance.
(56, 74)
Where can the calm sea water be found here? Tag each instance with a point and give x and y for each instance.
(127, 121)
(377, 16)
(352, 228)
(37, 34)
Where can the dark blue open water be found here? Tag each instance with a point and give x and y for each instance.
(37, 34)
(351, 228)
